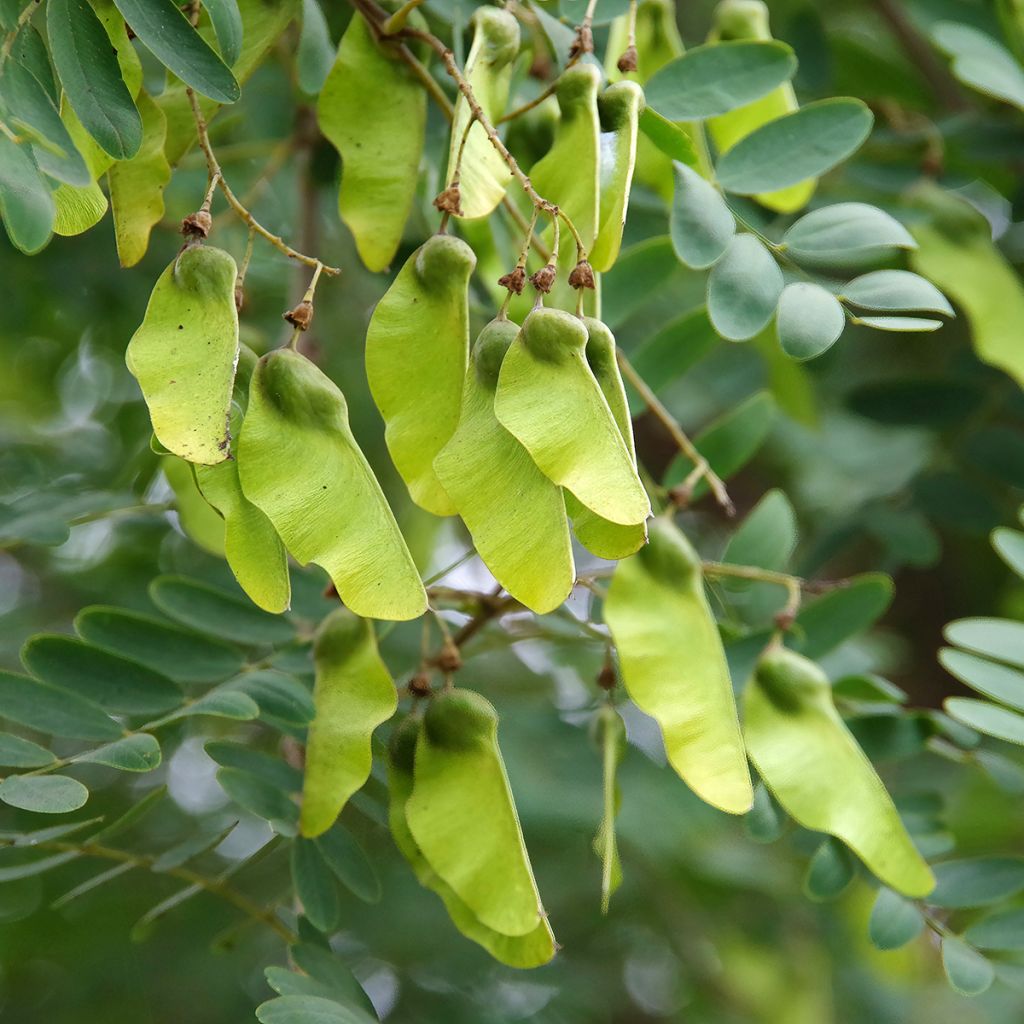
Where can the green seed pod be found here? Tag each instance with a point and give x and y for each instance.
(483, 174)
(523, 951)
(673, 666)
(184, 354)
(299, 463)
(748, 19)
(199, 521)
(515, 514)
(353, 694)
(619, 107)
(548, 399)
(463, 819)
(374, 112)
(813, 766)
(417, 349)
(597, 535)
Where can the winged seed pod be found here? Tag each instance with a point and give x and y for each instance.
(299, 463)
(748, 19)
(619, 108)
(374, 112)
(523, 951)
(813, 766)
(462, 816)
(483, 174)
(417, 349)
(184, 354)
(599, 536)
(515, 514)
(353, 694)
(674, 668)
(548, 398)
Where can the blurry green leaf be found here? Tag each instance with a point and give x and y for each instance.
(44, 794)
(227, 25)
(114, 683)
(26, 203)
(16, 752)
(969, 973)
(804, 144)
(91, 77)
(977, 882)
(900, 324)
(278, 695)
(315, 886)
(765, 539)
(27, 869)
(315, 54)
(1003, 930)
(836, 616)
(211, 611)
(669, 138)
(183, 852)
(1007, 774)
(810, 320)
(327, 968)
(830, 872)
(347, 859)
(987, 718)
(718, 77)
(743, 289)
(92, 883)
(700, 222)
(1009, 545)
(868, 689)
(765, 821)
(131, 817)
(844, 234)
(981, 62)
(997, 682)
(187, 656)
(1001, 639)
(308, 1010)
(52, 710)
(896, 290)
(268, 767)
(639, 273)
(167, 34)
(138, 753)
(261, 798)
(895, 920)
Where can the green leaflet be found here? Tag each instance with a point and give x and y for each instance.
(253, 550)
(184, 354)
(374, 112)
(483, 174)
(673, 666)
(515, 514)
(26, 203)
(548, 398)
(197, 519)
(597, 535)
(569, 174)
(815, 769)
(462, 816)
(299, 463)
(619, 108)
(354, 694)
(137, 186)
(748, 19)
(523, 951)
(956, 252)
(417, 348)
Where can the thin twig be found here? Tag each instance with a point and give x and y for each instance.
(685, 445)
(235, 203)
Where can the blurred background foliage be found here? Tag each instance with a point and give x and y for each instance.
(899, 453)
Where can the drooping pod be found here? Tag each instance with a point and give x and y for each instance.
(374, 112)
(599, 536)
(523, 951)
(748, 19)
(184, 354)
(417, 349)
(813, 766)
(462, 816)
(300, 464)
(611, 740)
(353, 694)
(515, 514)
(548, 398)
(483, 174)
(674, 668)
(619, 108)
